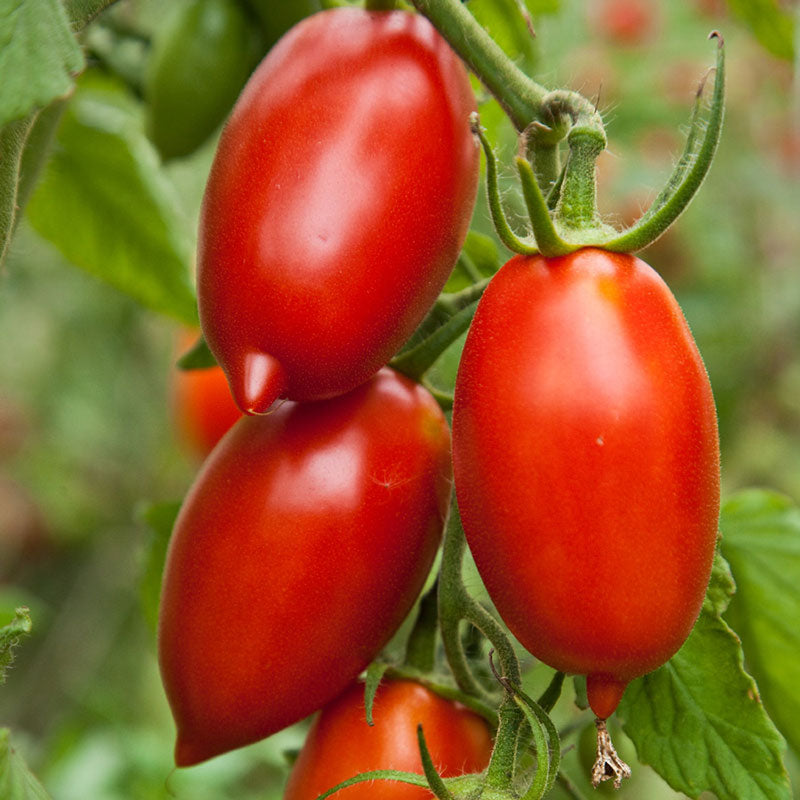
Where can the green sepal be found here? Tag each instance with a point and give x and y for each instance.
(548, 241)
(503, 229)
(375, 673)
(435, 780)
(378, 775)
(689, 172)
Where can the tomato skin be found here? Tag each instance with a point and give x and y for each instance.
(586, 461)
(344, 183)
(340, 744)
(298, 551)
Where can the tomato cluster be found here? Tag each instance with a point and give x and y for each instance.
(310, 530)
(585, 451)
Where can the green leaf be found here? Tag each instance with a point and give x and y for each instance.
(761, 541)
(38, 56)
(82, 12)
(160, 519)
(9, 638)
(17, 782)
(770, 21)
(199, 357)
(507, 21)
(12, 143)
(699, 721)
(106, 204)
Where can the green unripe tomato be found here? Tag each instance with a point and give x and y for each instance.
(201, 59)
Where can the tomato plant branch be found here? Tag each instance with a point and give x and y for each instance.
(519, 96)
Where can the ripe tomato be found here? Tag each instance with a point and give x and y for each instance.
(299, 550)
(340, 744)
(337, 203)
(203, 407)
(586, 462)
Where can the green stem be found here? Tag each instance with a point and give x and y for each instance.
(451, 604)
(380, 5)
(519, 96)
(577, 207)
(500, 771)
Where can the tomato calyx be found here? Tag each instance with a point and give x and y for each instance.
(566, 218)
(608, 765)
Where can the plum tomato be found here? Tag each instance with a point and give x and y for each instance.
(337, 203)
(586, 462)
(298, 551)
(340, 744)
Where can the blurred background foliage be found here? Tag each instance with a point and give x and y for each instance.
(89, 440)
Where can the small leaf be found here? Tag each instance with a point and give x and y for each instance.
(9, 639)
(160, 519)
(699, 721)
(105, 203)
(17, 782)
(761, 540)
(416, 362)
(199, 357)
(38, 56)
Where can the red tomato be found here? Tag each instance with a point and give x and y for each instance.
(340, 744)
(203, 407)
(337, 203)
(299, 550)
(586, 462)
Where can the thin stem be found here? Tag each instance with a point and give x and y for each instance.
(380, 5)
(577, 207)
(519, 96)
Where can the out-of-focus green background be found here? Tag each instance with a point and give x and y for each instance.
(88, 438)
